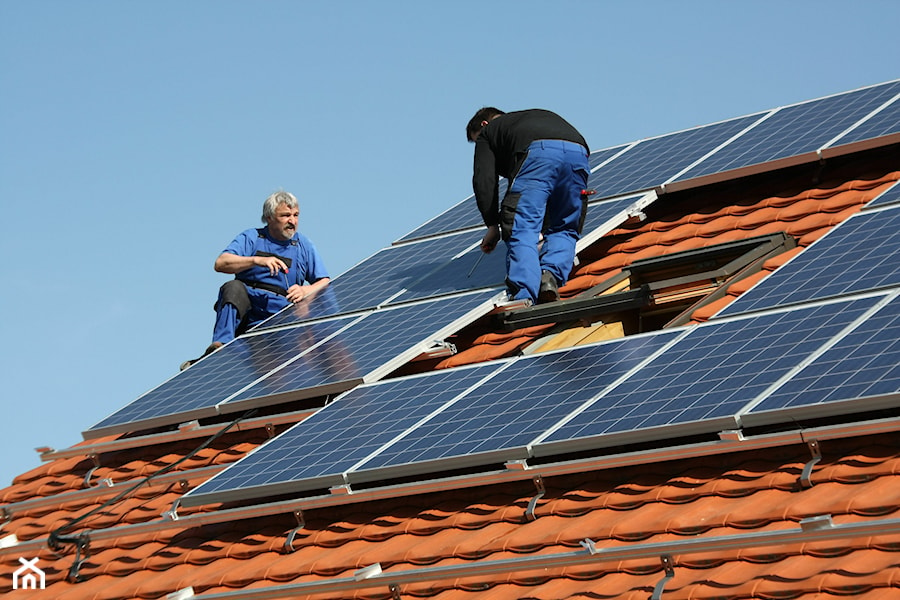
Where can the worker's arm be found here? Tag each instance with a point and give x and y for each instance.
(296, 292)
(490, 239)
(232, 263)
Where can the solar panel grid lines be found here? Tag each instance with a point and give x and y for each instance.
(368, 349)
(859, 255)
(316, 452)
(379, 278)
(463, 215)
(598, 158)
(889, 196)
(496, 420)
(701, 381)
(861, 367)
(795, 131)
(879, 122)
(653, 161)
(197, 391)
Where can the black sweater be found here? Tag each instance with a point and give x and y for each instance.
(501, 148)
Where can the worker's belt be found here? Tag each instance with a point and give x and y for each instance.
(275, 289)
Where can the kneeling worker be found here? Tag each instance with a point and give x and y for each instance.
(269, 266)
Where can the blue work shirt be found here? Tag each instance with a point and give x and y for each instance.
(304, 263)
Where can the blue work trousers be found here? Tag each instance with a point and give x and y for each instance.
(545, 197)
(230, 322)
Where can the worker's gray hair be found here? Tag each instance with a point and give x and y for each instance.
(276, 200)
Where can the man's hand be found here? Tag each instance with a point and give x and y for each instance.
(296, 293)
(491, 239)
(273, 263)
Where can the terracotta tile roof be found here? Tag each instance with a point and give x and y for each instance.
(481, 542)
(737, 494)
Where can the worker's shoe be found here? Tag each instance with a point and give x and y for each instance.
(549, 290)
(209, 350)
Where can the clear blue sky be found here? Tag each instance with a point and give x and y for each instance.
(137, 138)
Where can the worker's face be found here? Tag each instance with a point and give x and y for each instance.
(283, 224)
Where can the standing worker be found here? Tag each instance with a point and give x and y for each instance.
(545, 160)
(269, 266)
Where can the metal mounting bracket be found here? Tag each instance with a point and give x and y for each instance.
(669, 567)
(395, 591)
(816, 452)
(289, 540)
(172, 513)
(532, 504)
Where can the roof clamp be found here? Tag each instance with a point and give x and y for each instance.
(816, 523)
(289, 540)
(367, 572)
(532, 504)
(182, 594)
(816, 452)
(172, 513)
(669, 567)
(395, 591)
(588, 544)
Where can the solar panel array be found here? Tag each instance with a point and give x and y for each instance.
(816, 338)
(677, 382)
(306, 360)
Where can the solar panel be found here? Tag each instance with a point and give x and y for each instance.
(882, 123)
(378, 278)
(317, 451)
(860, 372)
(194, 393)
(464, 215)
(371, 347)
(600, 156)
(795, 130)
(654, 161)
(498, 419)
(474, 269)
(859, 255)
(699, 383)
(889, 196)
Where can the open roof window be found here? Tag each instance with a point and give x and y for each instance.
(653, 293)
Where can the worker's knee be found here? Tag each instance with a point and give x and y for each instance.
(235, 293)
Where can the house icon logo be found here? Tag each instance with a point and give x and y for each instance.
(28, 576)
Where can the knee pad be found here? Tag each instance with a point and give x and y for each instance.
(235, 293)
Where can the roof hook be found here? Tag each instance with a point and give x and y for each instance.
(172, 513)
(395, 591)
(289, 540)
(816, 452)
(669, 567)
(532, 504)
(87, 477)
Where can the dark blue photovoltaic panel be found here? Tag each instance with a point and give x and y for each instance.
(890, 196)
(365, 346)
(711, 373)
(864, 364)
(598, 157)
(885, 122)
(373, 281)
(655, 161)
(218, 376)
(474, 269)
(315, 452)
(511, 409)
(795, 130)
(861, 254)
(464, 215)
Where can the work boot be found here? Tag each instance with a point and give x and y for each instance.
(549, 290)
(209, 350)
